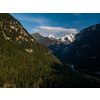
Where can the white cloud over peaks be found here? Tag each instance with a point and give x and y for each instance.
(56, 31)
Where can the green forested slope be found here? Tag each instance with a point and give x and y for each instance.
(17, 65)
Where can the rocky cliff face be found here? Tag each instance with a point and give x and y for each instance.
(13, 31)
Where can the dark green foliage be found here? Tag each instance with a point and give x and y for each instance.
(22, 68)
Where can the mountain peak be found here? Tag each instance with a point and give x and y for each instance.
(51, 36)
(69, 38)
(36, 34)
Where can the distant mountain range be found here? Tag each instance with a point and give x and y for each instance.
(46, 40)
(51, 40)
(56, 45)
(66, 39)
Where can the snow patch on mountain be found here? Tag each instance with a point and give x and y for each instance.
(62, 39)
(70, 37)
(67, 38)
(51, 36)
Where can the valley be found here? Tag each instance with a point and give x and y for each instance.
(86, 74)
(82, 53)
(33, 61)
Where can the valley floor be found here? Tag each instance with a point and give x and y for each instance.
(86, 74)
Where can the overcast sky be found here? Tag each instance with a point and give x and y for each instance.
(57, 24)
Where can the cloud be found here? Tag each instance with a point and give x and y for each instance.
(39, 20)
(56, 31)
(76, 14)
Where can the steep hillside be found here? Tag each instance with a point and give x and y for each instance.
(23, 61)
(85, 50)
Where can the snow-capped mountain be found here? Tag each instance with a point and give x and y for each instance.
(51, 36)
(55, 45)
(67, 38)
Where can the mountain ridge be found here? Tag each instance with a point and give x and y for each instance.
(84, 51)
